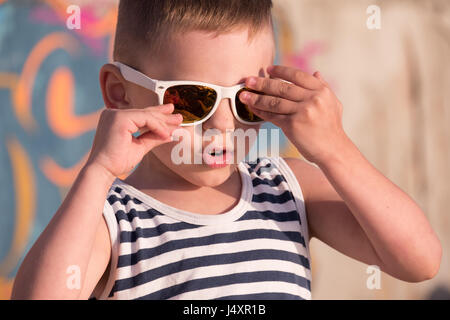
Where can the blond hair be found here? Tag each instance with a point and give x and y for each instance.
(143, 26)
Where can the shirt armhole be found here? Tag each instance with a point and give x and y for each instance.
(111, 222)
(292, 181)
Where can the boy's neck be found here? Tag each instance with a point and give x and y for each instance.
(152, 173)
(155, 179)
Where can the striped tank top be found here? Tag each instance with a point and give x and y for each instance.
(257, 250)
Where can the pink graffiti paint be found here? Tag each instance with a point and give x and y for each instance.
(303, 59)
(48, 16)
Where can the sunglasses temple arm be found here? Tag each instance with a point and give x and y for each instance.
(136, 77)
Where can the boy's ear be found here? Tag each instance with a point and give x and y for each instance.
(113, 87)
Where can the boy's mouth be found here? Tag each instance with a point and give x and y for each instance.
(217, 153)
(218, 157)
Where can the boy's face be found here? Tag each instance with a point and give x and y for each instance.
(226, 60)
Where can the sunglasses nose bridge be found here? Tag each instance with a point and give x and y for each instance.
(230, 93)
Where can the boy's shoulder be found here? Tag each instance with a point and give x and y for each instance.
(301, 168)
(308, 174)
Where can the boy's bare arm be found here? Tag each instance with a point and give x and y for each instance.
(66, 242)
(356, 210)
(65, 248)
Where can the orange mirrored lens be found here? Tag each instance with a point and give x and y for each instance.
(242, 110)
(193, 102)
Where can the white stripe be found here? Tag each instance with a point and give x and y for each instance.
(266, 174)
(282, 187)
(275, 207)
(216, 271)
(245, 288)
(205, 231)
(126, 225)
(117, 206)
(262, 163)
(208, 250)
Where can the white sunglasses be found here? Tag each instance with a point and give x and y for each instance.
(195, 101)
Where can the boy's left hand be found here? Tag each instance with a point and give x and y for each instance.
(306, 110)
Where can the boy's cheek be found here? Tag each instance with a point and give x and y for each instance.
(192, 140)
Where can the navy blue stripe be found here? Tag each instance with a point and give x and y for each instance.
(274, 182)
(133, 213)
(253, 165)
(113, 198)
(118, 190)
(132, 236)
(147, 253)
(211, 282)
(203, 261)
(270, 215)
(272, 198)
(262, 296)
(268, 167)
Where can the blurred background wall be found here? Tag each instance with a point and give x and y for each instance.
(393, 81)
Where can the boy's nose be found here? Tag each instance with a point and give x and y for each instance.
(222, 119)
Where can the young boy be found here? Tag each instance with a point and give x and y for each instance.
(223, 228)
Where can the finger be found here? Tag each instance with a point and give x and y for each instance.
(161, 129)
(155, 123)
(175, 119)
(318, 75)
(268, 103)
(167, 125)
(278, 88)
(163, 108)
(275, 118)
(164, 115)
(295, 76)
(166, 111)
(141, 120)
(149, 140)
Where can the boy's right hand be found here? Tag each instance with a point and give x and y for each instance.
(117, 150)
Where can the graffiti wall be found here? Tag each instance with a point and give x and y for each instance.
(49, 106)
(392, 86)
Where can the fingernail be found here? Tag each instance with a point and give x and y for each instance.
(244, 96)
(251, 81)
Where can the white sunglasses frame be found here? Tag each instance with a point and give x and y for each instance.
(159, 87)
